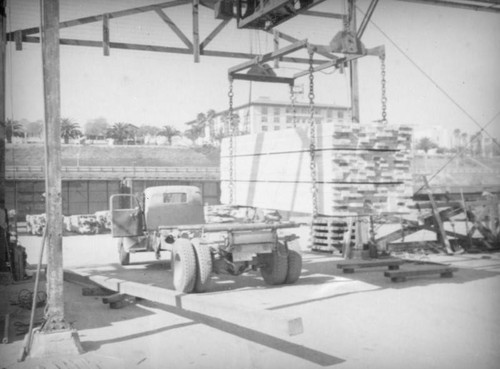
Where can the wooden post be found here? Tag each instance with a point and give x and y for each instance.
(353, 67)
(441, 232)
(196, 31)
(52, 103)
(105, 34)
(3, 48)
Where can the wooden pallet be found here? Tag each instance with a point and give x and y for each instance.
(349, 266)
(444, 271)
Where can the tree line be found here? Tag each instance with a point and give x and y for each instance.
(96, 129)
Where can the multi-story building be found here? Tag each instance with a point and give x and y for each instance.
(265, 114)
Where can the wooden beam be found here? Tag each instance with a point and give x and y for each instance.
(166, 49)
(276, 43)
(105, 35)
(99, 17)
(366, 18)
(18, 40)
(453, 4)
(214, 33)
(53, 184)
(3, 51)
(439, 222)
(258, 78)
(260, 320)
(289, 38)
(314, 13)
(196, 31)
(174, 28)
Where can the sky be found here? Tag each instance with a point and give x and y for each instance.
(441, 65)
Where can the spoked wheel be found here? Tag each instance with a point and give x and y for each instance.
(184, 265)
(203, 266)
(122, 253)
(275, 267)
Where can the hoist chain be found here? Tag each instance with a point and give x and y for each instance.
(231, 143)
(294, 108)
(312, 134)
(383, 85)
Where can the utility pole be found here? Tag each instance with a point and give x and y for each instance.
(353, 65)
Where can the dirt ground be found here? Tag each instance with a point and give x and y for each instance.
(360, 320)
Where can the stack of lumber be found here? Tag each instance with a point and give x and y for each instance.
(361, 169)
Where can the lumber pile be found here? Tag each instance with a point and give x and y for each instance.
(361, 169)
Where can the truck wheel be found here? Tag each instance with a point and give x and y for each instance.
(203, 266)
(276, 265)
(184, 265)
(294, 267)
(124, 255)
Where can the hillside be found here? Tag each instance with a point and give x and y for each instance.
(103, 156)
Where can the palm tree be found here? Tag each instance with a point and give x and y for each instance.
(169, 132)
(120, 132)
(69, 129)
(13, 129)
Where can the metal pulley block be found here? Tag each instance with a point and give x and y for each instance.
(346, 42)
(261, 70)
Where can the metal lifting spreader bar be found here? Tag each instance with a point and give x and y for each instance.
(233, 72)
(375, 51)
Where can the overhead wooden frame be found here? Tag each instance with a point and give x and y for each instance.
(194, 45)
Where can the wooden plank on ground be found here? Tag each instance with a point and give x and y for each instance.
(444, 271)
(260, 320)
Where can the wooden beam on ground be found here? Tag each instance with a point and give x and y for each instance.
(196, 31)
(174, 28)
(105, 35)
(260, 320)
(214, 33)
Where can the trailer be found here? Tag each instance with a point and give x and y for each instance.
(171, 218)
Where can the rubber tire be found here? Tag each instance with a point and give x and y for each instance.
(203, 266)
(294, 267)
(276, 268)
(183, 265)
(124, 256)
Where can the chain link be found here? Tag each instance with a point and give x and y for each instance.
(231, 143)
(383, 85)
(312, 134)
(294, 108)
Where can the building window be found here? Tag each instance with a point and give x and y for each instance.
(263, 119)
(329, 113)
(264, 128)
(276, 119)
(340, 114)
(289, 119)
(277, 110)
(263, 110)
(276, 128)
